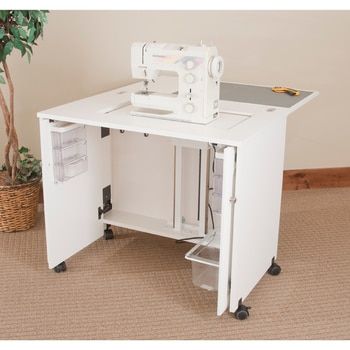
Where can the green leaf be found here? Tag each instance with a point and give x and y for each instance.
(18, 45)
(19, 17)
(29, 48)
(2, 33)
(22, 33)
(8, 48)
(2, 80)
(38, 28)
(29, 168)
(31, 35)
(23, 150)
(15, 31)
(34, 14)
(4, 14)
(40, 16)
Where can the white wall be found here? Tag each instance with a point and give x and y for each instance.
(84, 53)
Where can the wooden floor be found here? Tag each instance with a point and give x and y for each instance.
(138, 286)
(316, 178)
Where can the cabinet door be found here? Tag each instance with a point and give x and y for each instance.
(259, 177)
(71, 206)
(226, 228)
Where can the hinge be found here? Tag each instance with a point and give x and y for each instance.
(107, 201)
(104, 132)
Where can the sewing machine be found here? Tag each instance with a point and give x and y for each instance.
(198, 70)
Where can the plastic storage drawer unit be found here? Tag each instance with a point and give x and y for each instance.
(205, 266)
(69, 150)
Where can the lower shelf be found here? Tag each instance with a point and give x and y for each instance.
(146, 224)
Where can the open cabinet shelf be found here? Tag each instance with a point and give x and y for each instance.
(147, 224)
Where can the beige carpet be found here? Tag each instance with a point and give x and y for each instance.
(139, 286)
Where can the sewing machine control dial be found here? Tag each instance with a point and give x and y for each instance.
(190, 78)
(189, 107)
(189, 64)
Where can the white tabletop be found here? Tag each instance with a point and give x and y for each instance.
(237, 121)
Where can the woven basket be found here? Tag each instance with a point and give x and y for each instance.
(18, 206)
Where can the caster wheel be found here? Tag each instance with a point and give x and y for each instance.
(242, 312)
(274, 269)
(60, 267)
(108, 234)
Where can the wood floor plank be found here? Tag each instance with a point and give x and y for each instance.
(316, 178)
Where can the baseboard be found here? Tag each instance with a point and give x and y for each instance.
(301, 179)
(316, 178)
(41, 194)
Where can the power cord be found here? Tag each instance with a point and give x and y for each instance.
(187, 239)
(214, 148)
(211, 214)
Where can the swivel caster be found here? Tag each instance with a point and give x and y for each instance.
(242, 312)
(274, 269)
(108, 234)
(60, 267)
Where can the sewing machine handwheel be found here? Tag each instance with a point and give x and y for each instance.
(60, 267)
(108, 234)
(216, 67)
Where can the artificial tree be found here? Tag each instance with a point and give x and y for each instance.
(19, 29)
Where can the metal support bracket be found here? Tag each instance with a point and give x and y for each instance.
(107, 201)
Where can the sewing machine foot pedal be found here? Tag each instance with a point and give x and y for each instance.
(60, 267)
(242, 312)
(108, 234)
(274, 269)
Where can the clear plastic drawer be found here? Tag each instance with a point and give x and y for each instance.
(216, 202)
(70, 153)
(69, 147)
(74, 168)
(205, 266)
(67, 134)
(218, 165)
(217, 184)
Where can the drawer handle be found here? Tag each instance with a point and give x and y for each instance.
(191, 255)
(62, 129)
(75, 161)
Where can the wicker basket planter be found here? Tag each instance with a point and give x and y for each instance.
(18, 206)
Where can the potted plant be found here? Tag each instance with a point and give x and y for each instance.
(20, 176)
